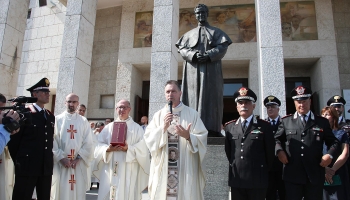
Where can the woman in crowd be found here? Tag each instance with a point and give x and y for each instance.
(336, 186)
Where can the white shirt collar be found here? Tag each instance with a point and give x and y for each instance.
(248, 119)
(38, 107)
(276, 119)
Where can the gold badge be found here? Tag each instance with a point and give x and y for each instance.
(243, 91)
(270, 98)
(336, 98)
(47, 82)
(300, 90)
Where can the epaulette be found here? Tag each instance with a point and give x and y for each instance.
(31, 108)
(49, 112)
(230, 122)
(287, 116)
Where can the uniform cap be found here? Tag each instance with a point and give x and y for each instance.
(42, 85)
(272, 100)
(336, 99)
(301, 93)
(244, 93)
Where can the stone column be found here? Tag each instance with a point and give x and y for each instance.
(13, 15)
(270, 52)
(164, 62)
(76, 53)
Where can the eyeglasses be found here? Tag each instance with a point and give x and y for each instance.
(123, 107)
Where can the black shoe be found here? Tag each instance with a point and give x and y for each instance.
(98, 185)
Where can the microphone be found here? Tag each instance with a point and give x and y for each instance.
(170, 104)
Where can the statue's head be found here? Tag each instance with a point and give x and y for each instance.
(201, 11)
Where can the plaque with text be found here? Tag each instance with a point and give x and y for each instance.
(119, 133)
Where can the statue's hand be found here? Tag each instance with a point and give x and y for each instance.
(202, 57)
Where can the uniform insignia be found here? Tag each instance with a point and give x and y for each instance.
(243, 91)
(270, 98)
(300, 90)
(317, 129)
(256, 132)
(336, 98)
(318, 138)
(47, 82)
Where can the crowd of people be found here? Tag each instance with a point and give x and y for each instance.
(300, 156)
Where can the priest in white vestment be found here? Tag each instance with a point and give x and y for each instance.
(122, 170)
(73, 152)
(183, 132)
(7, 175)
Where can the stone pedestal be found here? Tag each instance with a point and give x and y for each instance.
(216, 165)
(13, 14)
(164, 53)
(270, 52)
(75, 63)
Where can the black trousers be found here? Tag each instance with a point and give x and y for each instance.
(24, 187)
(248, 193)
(276, 184)
(308, 191)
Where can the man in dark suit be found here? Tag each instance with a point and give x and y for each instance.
(304, 134)
(276, 184)
(249, 147)
(31, 148)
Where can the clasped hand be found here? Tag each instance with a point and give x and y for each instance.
(69, 163)
(202, 57)
(329, 175)
(117, 148)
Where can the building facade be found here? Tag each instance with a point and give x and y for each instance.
(92, 49)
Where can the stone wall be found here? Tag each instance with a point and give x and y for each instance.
(104, 60)
(341, 13)
(41, 46)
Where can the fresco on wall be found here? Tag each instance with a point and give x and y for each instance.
(298, 21)
(238, 22)
(143, 29)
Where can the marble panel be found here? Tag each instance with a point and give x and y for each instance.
(100, 60)
(17, 14)
(309, 48)
(75, 7)
(38, 22)
(105, 34)
(5, 59)
(33, 3)
(56, 41)
(10, 40)
(116, 32)
(49, 20)
(89, 10)
(23, 68)
(343, 49)
(343, 34)
(4, 10)
(269, 28)
(50, 53)
(40, 55)
(162, 26)
(216, 166)
(81, 79)
(69, 42)
(344, 65)
(44, 10)
(35, 12)
(60, 18)
(85, 41)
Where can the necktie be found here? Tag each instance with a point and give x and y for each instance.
(303, 119)
(274, 122)
(244, 126)
(43, 113)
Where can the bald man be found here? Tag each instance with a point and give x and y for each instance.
(73, 150)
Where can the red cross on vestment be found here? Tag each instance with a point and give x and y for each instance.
(72, 181)
(71, 155)
(71, 131)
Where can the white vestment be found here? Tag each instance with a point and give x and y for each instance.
(191, 172)
(122, 175)
(72, 138)
(7, 173)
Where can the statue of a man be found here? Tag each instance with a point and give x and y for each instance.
(202, 49)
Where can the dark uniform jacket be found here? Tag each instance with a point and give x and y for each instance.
(277, 165)
(304, 147)
(250, 154)
(31, 148)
